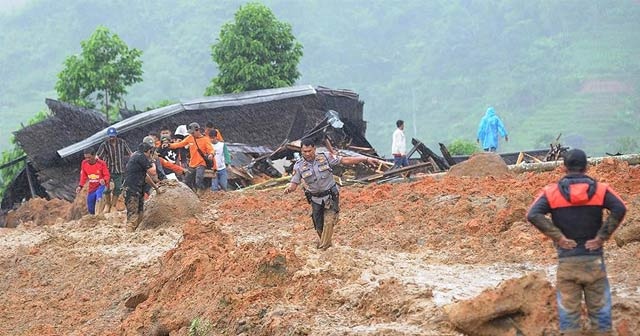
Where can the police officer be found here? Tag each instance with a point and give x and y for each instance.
(315, 169)
(578, 230)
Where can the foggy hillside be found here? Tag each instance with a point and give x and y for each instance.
(548, 67)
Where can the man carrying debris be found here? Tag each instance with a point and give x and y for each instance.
(578, 231)
(138, 173)
(489, 131)
(321, 189)
(399, 146)
(115, 152)
(94, 171)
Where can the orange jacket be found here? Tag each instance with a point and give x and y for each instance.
(204, 143)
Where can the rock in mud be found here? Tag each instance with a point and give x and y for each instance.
(176, 203)
(523, 306)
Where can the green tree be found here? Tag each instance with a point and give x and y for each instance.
(7, 174)
(463, 147)
(101, 73)
(255, 52)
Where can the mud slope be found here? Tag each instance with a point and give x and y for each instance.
(248, 264)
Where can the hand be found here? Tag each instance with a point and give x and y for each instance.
(159, 191)
(165, 145)
(566, 243)
(477, 140)
(78, 189)
(287, 190)
(102, 182)
(506, 138)
(594, 243)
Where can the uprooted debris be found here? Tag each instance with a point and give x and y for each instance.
(524, 306)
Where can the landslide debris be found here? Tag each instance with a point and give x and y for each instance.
(480, 165)
(247, 264)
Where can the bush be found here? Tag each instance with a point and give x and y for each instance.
(200, 327)
(463, 147)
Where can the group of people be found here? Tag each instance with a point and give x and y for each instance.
(185, 155)
(575, 203)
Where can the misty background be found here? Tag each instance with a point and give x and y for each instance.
(548, 67)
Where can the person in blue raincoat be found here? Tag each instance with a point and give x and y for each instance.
(490, 130)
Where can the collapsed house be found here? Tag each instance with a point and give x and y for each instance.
(255, 124)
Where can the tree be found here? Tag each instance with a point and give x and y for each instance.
(101, 73)
(8, 173)
(255, 52)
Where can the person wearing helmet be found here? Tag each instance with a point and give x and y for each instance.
(115, 152)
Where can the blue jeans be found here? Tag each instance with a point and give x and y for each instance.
(400, 161)
(93, 197)
(578, 276)
(220, 181)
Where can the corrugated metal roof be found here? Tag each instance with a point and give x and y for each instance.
(237, 99)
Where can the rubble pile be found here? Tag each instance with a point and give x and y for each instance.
(404, 254)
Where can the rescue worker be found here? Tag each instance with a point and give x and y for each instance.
(115, 152)
(579, 232)
(201, 154)
(315, 169)
(96, 172)
(138, 173)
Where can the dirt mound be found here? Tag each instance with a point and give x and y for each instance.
(524, 306)
(247, 264)
(176, 203)
(38, 211)
(481, 164)
(79, 206)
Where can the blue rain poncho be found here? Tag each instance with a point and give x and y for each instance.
(490, 129)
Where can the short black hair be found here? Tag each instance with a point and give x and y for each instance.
(308, 142)
(575, 160)
(208, 124)
(90, 150)
(164, 128)
(154, 134)
(399, 123)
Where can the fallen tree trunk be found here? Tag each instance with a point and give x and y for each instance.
(632, 159)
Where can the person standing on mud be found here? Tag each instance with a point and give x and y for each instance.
(96, 172)
(490, 130)
(138, 173)
(399, 146)
(578, 231)
(200, 151)
(315, 169)
(115, 152)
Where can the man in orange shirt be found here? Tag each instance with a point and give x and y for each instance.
(96, 172)
(200, 151)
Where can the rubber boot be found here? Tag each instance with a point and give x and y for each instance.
(330, 219)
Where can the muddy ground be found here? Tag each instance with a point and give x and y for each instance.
(404, 254)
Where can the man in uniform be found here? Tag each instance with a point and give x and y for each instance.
(578, 231)
(137, 174)
(315, 169)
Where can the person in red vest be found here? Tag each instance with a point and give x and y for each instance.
(578, 230)
(96, 172)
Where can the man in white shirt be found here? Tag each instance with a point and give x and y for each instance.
(399, 146)
(219, 182)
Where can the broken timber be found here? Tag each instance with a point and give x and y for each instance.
(426, 153)
(392, 172)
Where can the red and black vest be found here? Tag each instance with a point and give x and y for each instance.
(576, 206)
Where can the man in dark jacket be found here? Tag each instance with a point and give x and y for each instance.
(578, 231)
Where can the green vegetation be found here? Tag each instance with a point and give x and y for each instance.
(100, 73)
(255, 52)
(463, 147)
(200, 327)
(548, 67)
(9, 173)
